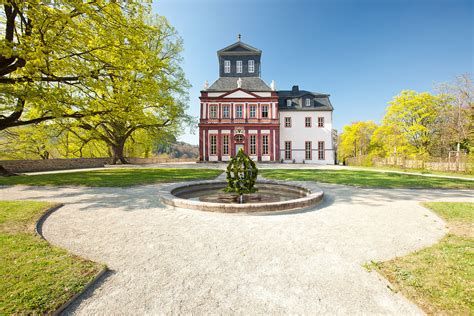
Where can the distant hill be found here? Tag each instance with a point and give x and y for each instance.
(178, 150)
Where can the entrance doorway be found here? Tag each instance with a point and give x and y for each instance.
(238, 147)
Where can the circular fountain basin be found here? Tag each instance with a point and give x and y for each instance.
(271, 196)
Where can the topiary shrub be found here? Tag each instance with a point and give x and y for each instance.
(241, 175)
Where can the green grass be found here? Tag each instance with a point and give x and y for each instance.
(36, 278)
(113, 177)
(420, 171)
(365, 178)
(440, 279)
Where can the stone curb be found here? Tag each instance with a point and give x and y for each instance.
(39, 232)
(314, 196)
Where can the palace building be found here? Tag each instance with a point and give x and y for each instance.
(239, 110)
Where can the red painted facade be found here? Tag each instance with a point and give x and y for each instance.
(242, 130)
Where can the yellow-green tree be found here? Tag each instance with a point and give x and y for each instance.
(355, 139)
(417, 119)
(52, 51)
(149, 95)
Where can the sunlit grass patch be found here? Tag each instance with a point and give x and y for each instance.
(440, 278)
(364, 178)
(120, 177)
(36, 278)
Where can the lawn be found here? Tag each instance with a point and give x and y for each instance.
(113, 177)
(37, 278)
(440, 279)
(364, 178)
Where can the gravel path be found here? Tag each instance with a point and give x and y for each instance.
(181, 261)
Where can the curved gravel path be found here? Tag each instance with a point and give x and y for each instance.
(181, 261)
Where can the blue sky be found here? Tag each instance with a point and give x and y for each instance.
(360, 52)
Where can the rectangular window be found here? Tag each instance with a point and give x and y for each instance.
(225, 144)
(308, 102)
(239, 66)
(307, 151)
(253, 144)
(213, 142)
(264, 144)
(225, 111)
(287, 121)
(288, 150)
(227, 66)
(251, 66)
(307, 121)
(288, 103)
(253, 111)
(238, 111)
(320, 121)
(321, 150)
(213, 111)
(265, 111)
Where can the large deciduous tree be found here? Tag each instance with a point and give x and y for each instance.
(418, 118)
(151, 96)
(355, 139)
(51, 51)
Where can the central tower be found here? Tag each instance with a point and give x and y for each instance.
(239, 110)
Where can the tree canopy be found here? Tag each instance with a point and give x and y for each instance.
(53, 52)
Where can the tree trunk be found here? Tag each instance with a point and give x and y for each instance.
(117, 152)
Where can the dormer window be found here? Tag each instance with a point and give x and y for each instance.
(288, 103)
(239, 66)
(227, 66)
(308, 102)
(251, 66)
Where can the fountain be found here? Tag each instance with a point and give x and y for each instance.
(241, 192)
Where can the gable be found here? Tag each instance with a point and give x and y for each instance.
(239, 47)
(239, 94)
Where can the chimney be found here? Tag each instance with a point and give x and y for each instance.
(295, 90)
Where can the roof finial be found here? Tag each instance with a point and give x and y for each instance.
(238, 37)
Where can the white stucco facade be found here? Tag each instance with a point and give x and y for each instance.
(299, 134)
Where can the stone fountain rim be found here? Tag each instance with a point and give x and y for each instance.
(314, 196)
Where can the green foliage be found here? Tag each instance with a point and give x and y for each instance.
(355, 139)
(417, 119)
(364, 178)
(110, 70)
(241, 174)
(113, 177)
(36, 277)
(416, 125)
(439, 278)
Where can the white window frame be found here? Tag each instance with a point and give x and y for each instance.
(288, 103)
(225, 111)
(321, 121)
(308, 121)
(287, 121)
(227, 66)
(213, 145)
(251, 65)
(213, 111)
(253, 111)
(265, 110)
(265, 144)
(253, 144)
(225, 144)
(321, 150)
(288, 150)
(239, 66)
(239, 114)
(308, 102)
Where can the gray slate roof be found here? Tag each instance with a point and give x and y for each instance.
(320, 101)
(239, 47)
(230, 83)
